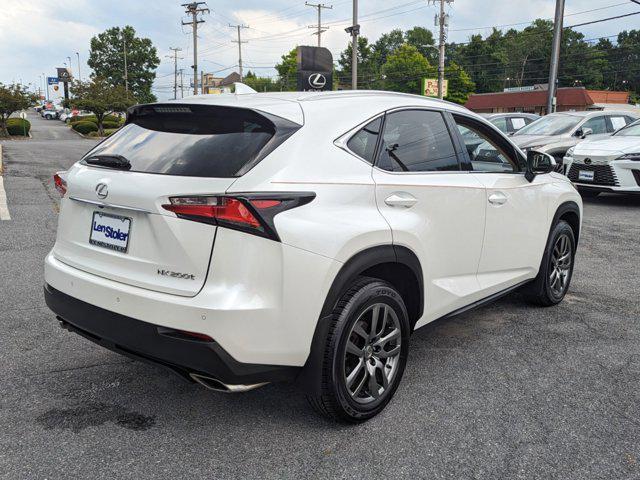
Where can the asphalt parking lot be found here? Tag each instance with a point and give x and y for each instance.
(504, 392)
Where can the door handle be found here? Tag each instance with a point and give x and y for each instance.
(401, 199)
(497, 198)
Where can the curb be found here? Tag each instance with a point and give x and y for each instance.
(1, 165)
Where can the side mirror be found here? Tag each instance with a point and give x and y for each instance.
(538, 163)
(583, 132)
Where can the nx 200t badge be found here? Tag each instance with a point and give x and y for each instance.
(169, 273)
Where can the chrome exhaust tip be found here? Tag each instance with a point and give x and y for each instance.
(218, 386)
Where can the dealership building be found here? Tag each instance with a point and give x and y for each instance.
(534, 100)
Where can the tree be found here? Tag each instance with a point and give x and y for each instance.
(404, 70)
(422, 39)
(106, 58)
(12, 99)
(288, 71)
(260, 84)
(385, 45)
(460, 85)
(366, 68)
(99, 97)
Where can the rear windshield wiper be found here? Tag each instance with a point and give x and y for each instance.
(111, 161)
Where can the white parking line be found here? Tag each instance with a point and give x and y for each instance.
(4, 210)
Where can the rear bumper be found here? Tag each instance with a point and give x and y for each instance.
(153, 344)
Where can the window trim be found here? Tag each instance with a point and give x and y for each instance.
(501, 139)
(452, 136)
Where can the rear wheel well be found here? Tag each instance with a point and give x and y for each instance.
(404, 281)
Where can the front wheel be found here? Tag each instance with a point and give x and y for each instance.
(556, 268)
(365, 353)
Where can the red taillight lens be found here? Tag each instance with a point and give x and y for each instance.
(60, 183)
(251, 212)
(225, 209)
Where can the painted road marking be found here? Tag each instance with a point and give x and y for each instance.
(4, 210)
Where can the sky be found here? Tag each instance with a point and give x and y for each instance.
(36, 36)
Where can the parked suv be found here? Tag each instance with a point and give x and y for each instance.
(610, 165)
(252, 238)
(558, 132)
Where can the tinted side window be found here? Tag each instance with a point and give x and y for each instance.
(363, 143)
(485, 152)
(597, 124)
(417, 141)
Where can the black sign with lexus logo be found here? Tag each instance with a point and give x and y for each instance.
(315, 69)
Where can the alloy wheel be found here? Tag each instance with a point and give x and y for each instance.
(561, 260)
(372, 353)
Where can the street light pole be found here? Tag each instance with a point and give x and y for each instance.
(354, 31)
(79, 74)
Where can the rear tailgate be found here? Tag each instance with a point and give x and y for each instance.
(163, 252)
(112, 221)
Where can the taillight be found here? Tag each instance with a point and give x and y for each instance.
(251, 213)
(60, 183)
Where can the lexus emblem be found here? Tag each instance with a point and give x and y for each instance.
(102, 190)
(587, 161)
(317, 80)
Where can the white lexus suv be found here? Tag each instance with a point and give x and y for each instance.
(611, 164)
(252, 238)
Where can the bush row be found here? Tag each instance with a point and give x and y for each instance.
(18, 126)
(92, 118)
(84, 127)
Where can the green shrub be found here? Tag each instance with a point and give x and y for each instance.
(83, 118)
(93, 134)
(109, 131)
(85, 127)
(92, 118)
(110, 125)
(18, 126)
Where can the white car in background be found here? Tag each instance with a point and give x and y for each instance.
(611, 164)
(251, 238)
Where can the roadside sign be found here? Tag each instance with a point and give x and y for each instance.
(64, 74)
(315, 69)
(430, 87)
(52, 80)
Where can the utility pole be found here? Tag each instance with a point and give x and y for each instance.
(442, 21)
(194, 9)
(319, 28)
(126, 73)
(181, 85)
(239, 42)
(175, 69)
(555, 56)
(354, 31)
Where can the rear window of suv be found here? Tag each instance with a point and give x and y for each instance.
(194, 140)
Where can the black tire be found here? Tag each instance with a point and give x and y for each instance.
(588, 193)
(333, 398)
(542, 291)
